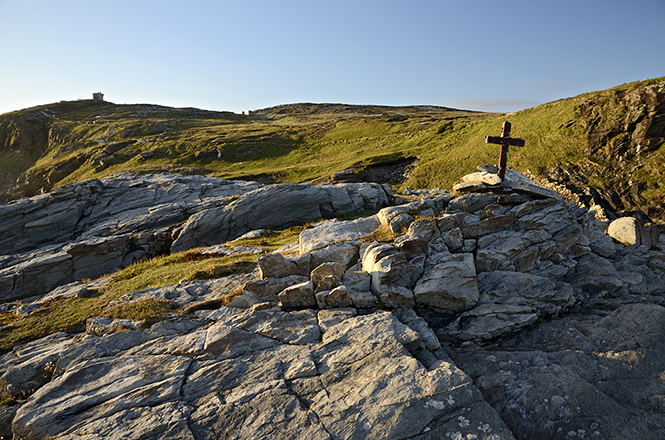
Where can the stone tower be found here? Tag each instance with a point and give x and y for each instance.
(99, 96)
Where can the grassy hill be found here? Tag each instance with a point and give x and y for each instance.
(578, 142)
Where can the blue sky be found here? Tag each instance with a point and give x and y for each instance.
(495, 55)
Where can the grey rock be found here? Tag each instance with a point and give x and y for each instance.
(344, 253)
(331, 317)
(449, 282)
(297, 296)
(276, 207)
(326, 233)
(509, 301)
(596, 376)
(470, 203)
(629, 231)
(30, 366)
(276, 266)
(267, 290)
(99, 326)
(111, 385)
(322, 273)
(400, 221)
(335, 298)
(386, 215)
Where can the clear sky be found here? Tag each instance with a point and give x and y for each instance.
(495, 55)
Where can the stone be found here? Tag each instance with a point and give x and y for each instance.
(326, 233)
(297, 327)
(276, 266)
(519, 183)
(449, 283)
(454, 239)
(400, 221)
(357, 279)
(331, 317)
(298, 296)
(509, 301)
(628, 231)
(30, 366)
(278, 207)
(335, 298)
(267, 290)
(344, 253)
(470, 203)
(595, 275)
(577, 376)
(111, 385)
(386, 215)
(412, 248)
(325, 270)
(99, 326)
(483, 177)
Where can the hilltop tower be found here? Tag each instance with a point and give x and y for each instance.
(99, 96)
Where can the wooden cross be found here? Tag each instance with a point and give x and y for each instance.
(504, 140)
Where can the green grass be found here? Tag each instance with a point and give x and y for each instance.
(308, 142)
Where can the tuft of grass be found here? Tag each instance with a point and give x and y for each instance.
(149, 310)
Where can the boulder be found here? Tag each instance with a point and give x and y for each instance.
(338, 297)
(276, 266)
(448, 282)
(298, 296)
(327, 276)
(629, 231)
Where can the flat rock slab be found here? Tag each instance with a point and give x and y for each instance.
(327, 233)
(263, 374)
(587, 376)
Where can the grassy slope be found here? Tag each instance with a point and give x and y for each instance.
(304, 142)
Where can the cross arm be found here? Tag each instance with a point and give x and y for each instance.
(517, 142)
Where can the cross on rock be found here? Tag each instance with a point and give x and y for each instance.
(504, 140)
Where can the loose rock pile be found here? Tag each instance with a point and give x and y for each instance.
(549, 330)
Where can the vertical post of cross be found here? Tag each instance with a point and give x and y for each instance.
(503, 157)
(504, 140)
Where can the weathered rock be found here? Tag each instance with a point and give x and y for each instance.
(66, 406)
(335, 298)
(386, 215)
(297, 296)
(326, 233)
(99, 326)
(400, 221)
(581, 376)
(344, 253)
(449, 282)
(276, 207)
(629, 231)
(393, 276)
(509, 301)
(276, 266)
(327, 276)
(331, 317)
(470, 203)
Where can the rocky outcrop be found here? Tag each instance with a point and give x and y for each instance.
(623, 128)
(549, 330)
(100, 225)
(277, 207)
